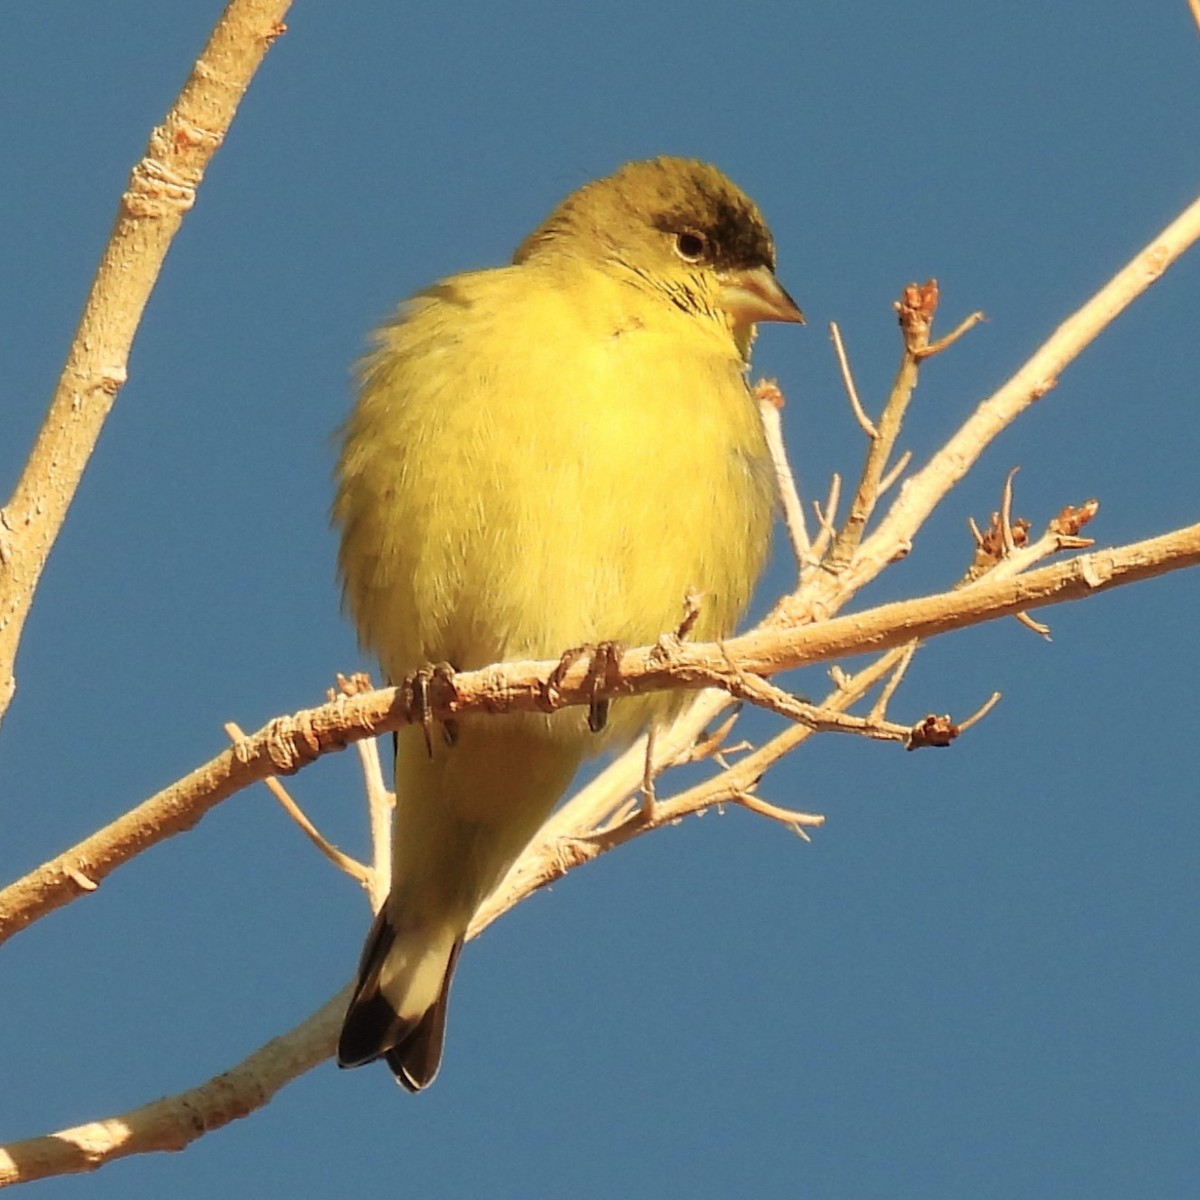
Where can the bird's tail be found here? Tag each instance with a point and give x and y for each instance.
(398, 1010)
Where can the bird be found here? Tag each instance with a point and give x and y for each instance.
(542, 456)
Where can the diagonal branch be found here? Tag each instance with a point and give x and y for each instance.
(161, 190)
(287, 743)
(922, 492)
(175, 1121)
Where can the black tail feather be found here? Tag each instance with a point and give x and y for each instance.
(373, 1029)
(415, 1059)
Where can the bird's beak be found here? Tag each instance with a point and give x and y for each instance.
(755, 295)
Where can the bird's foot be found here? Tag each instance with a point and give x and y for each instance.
(418, 685)
(603, 658)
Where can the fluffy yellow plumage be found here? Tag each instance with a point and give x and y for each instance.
(542, 456)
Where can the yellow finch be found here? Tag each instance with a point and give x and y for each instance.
(542, 456)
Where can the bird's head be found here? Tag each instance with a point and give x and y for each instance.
(678, 226)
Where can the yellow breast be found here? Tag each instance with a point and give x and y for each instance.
(536, 463)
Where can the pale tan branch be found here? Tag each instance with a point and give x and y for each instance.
(945, 342)
(879, 708)
(897, 469)
(1004, 549)
(773, 812)
(825, 518)
(161, 190)
(770, 405)
(829, 591)
(922, 492)
(820, 720)
(1038, 627)
(915, 308)
(174, 1122)
(1006, 503)
(381, 802)
(860, 414)
(981, 712)
(985, 600)
(280, 748)
(287, 743)
(570, 837)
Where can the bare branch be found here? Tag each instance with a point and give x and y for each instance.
(860, 413)
(770, 405)
(944, 343)
(174, 1122)
(922, 492)
(287, 743)
(568, 838)
(981, 712)
(826, 517)
(381, 802)
(915, 309)
(879, 708)
(894, 473)
(161, 190)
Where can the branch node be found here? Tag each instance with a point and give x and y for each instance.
(78, 878)
(915, 311)
(932, 731)
(1072, 519)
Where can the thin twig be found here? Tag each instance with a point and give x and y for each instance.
(1038, 627)
(981, 712)
(1006, 501)
(381, 804)
(916, 308)
(860, 413)
(648, 775)
(770, 405)
(944, 343)
(897, 470)
(786, 816)
(879, 708)
(352, 867)
(826, 517)
(821, 720)
(567, 839)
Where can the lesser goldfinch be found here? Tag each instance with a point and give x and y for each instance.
(543, 456)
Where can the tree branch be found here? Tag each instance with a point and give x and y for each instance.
(922, 492)
(161, 189)
(173, 1122)
(607, 813)
(285, 744)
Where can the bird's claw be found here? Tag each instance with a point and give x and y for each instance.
(603, 660)
(419, 684)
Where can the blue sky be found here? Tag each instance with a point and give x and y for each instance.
(979, 979)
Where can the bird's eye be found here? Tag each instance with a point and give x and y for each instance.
(691, 246)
